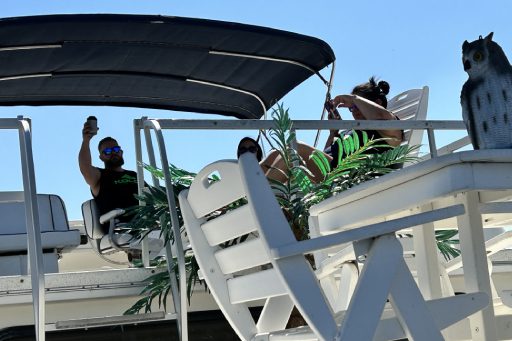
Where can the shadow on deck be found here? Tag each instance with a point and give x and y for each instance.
(209, 325)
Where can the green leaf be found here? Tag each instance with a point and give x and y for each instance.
(365, 137)
(355, 137)
(444, 239)
(321, 162)
(340, 151)
(348, 145)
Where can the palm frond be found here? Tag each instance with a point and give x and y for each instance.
(445, 240)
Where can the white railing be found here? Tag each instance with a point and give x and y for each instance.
(178, 292)
(429, 125)
(35, 251)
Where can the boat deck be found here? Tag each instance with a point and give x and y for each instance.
(209, 325)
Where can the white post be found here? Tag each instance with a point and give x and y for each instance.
(35, 251)
(432, 142)
(140, 182)
(474, 259)
(179, 294)
(427, 264)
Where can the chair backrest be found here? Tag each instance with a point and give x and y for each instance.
(411, 105)
(91, 215)
(220, 265)
(239, 274)
(52, 213)
(53, 225)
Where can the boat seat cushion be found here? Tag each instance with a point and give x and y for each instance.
(49, 240)
(53, 222)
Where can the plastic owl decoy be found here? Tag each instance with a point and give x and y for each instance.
(486, 96)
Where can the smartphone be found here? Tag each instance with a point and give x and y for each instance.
(332, 111)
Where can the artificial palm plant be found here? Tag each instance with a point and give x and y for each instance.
(295, 195)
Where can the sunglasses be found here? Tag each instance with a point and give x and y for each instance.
(252, 149)
(115, 149)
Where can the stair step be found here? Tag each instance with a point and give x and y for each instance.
(112, 320)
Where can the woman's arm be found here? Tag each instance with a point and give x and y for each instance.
(369, 110)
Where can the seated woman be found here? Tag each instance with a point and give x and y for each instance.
(366, 102)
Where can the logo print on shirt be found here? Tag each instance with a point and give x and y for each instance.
(126, 179)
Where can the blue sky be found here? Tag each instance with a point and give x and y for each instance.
(407, 43)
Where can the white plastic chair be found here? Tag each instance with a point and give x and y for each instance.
(496, 240)
(411, 105)
(240, 274)
(408, 105)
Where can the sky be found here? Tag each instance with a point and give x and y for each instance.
(407, 43)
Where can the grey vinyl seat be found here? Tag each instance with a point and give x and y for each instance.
(112, 242)
(54, 228)
(117, 239)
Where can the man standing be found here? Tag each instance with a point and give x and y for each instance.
(112, 187)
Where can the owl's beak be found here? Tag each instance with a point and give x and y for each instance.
(467, 65)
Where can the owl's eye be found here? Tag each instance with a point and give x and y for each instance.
(478, 56)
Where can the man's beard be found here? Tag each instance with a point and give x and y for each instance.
(114, 162)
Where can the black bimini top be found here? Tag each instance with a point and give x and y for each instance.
(151, 61)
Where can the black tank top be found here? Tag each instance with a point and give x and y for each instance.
(117, 190)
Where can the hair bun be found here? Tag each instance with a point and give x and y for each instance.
(384, 87)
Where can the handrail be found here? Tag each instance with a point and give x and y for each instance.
(429, 125)
(140, 181)
(312, 124)
(451, 147)
(180, 304)
(35, 251)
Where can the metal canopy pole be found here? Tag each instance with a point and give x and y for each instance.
(140, 185)
(35, 251)
(179, 297)
(327, 97)
(150, 151)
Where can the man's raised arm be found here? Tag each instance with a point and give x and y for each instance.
(90, 173)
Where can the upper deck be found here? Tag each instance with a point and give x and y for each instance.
(103, 60)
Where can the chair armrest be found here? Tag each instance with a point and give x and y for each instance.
(111, 215)
(493, 245)
(450, 148)
(334, 262)
(365, 232)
